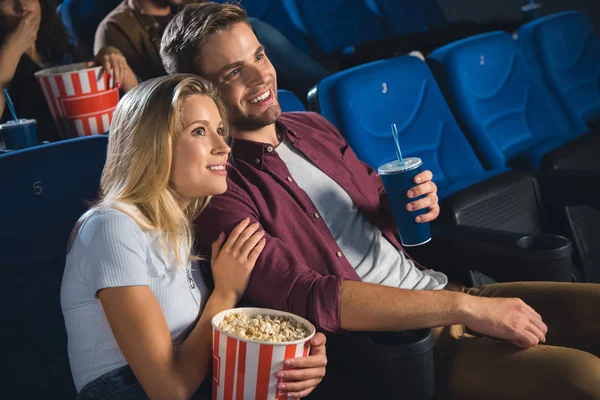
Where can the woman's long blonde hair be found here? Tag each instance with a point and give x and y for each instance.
(136, 176)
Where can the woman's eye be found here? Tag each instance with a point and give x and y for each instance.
(221, 132)
(199, 132)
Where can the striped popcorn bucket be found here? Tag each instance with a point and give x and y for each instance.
(245, 369)
(79, 98)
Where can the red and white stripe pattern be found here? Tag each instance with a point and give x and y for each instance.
(246, 370)
(79, 99)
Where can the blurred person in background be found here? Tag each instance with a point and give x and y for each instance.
(32, 38)
(135, 27)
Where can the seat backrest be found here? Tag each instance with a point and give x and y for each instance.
(289, 101)
(403, 16)
(564, 50)
(82, 17)
(363, 102)
(333, 25)
(274, 13)
(45, 192)
(504, 109)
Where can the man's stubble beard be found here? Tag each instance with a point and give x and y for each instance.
(242, 122)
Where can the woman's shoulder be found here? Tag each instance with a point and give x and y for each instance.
(106, 225)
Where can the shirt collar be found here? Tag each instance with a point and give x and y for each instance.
(254, 153)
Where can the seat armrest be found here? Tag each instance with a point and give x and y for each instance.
(570, 188)
(580, 153)
(503, 256)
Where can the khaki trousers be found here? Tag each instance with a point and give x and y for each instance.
(566, 367)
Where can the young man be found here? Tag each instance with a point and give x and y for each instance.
(331, 254)
(135, 27)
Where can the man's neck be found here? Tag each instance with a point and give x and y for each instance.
(267, 134)
(150, 7)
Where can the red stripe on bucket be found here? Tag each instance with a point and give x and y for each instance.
(89, 104)
(230, 368)
(92, 80)
(265, 355)
(306, 348)
(241, 372)
(76, 84)
(87, 130)
(60, 84)
(216, 364)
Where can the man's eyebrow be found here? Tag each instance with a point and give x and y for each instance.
(230, 66)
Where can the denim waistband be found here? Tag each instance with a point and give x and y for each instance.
(122, 384)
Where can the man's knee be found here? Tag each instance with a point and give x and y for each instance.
(578, 377)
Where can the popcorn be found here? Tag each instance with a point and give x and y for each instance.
(265, 328)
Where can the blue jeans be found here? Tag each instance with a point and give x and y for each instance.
(296, 70)
(121, 384)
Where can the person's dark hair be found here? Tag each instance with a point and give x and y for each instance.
(187, 32)
(52, 40)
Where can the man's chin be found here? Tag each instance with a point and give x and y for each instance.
(255, 122)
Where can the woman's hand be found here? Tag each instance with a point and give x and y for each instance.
(23, 37)
(306, 372)
(425, 186)
(233, 260)
(115, 65)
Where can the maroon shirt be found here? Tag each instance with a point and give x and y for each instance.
(302, 267)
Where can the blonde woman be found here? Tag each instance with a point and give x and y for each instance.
(137, 314)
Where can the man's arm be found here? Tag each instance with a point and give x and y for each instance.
(279, 280)
(332, 303)
(369, 307)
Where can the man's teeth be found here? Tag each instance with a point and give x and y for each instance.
(261, 98)
(217, 168)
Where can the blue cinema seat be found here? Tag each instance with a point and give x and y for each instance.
(364, 101)
(45, 190)
(563, 49)
(333, 25)
(274, 13)
(483, 213)
(402, 16)
(289, 101)
(507, 112)
(82, 17)
(512, 118)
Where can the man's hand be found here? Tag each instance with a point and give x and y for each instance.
(506, 318)
(425, 186)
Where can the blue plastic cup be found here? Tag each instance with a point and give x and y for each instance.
(19, 134)
(398, 178)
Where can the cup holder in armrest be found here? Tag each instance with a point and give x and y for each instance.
(503, 256)
(552, 246)
(548, 256)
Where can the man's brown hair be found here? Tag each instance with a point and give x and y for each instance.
(189, 29)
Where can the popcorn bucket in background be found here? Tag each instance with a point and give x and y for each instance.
(245, 369)
(79, 98)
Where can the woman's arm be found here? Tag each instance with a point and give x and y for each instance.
(142, 334)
